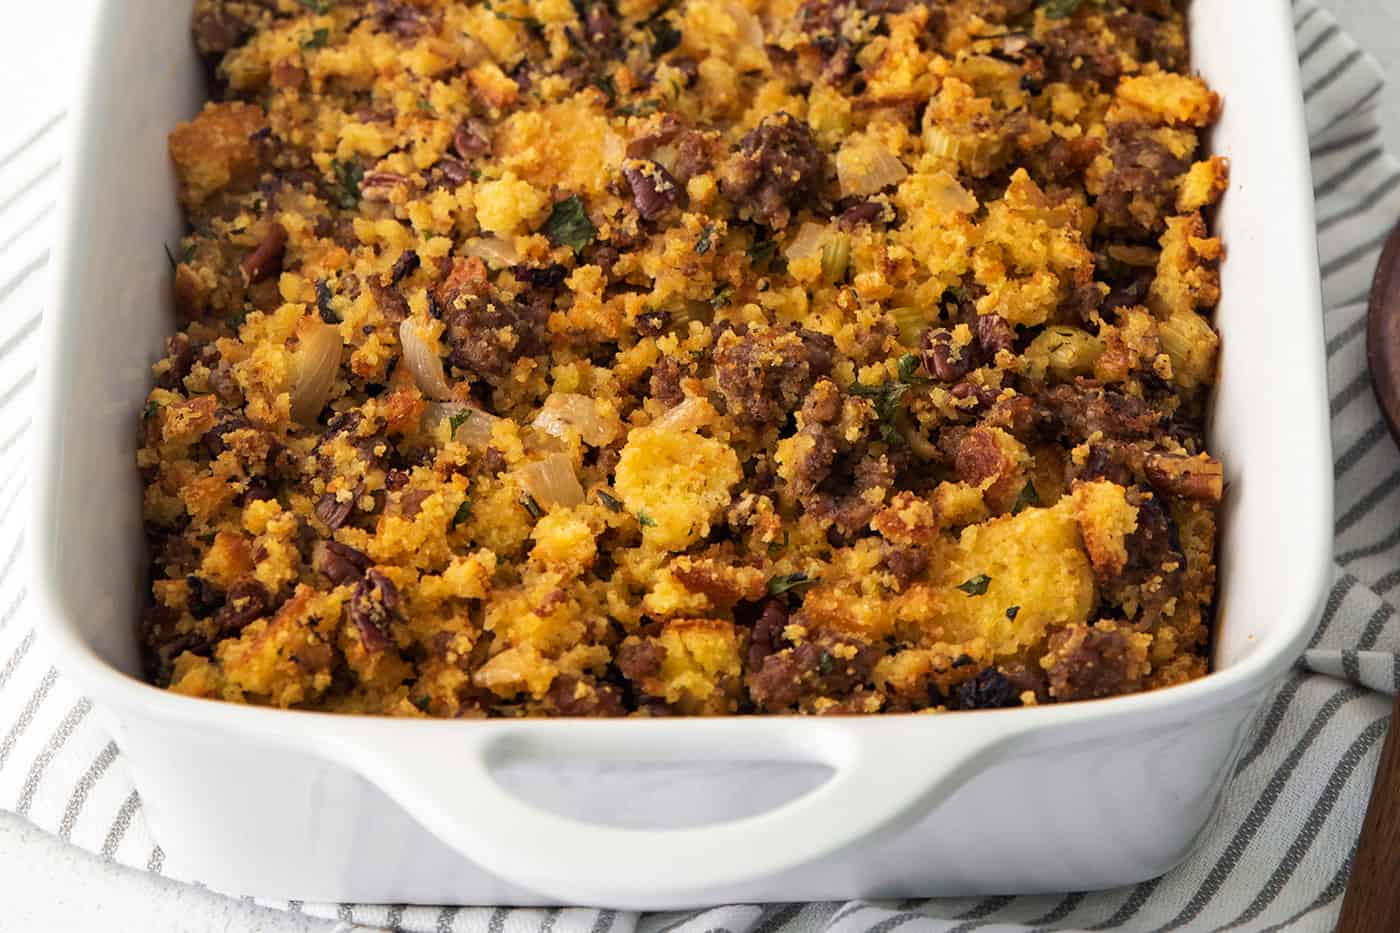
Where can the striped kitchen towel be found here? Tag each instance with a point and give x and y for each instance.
(1279, 854)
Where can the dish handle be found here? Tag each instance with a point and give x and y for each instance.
(883, 770)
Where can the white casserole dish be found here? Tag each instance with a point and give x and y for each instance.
(666, 814)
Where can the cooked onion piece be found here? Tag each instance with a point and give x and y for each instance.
(317, 361)
(469, 425)
(864, 167)
(551, 482)
(497, 252)
(566, 411)
(422, 360)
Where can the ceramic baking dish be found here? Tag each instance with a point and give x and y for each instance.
(665, 814)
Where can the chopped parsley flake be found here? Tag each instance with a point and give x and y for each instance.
(664, 36)
(464, 512)
(1013, 612)
(645, 520)
(640, 109)
(606, 84)
(348, 176)
(457, 420)
(532, 507)
(761, 253)
(975, 586)
(568, 224)
(609, 501)
(703, 244)
(1028, 498)
(317, 39)
(1060, 9)
(791, 582)
(889, 397)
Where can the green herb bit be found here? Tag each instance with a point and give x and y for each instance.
(703, 243)
(761, 253)
(825, 664)
(975, 586)
(317, 6)
(422, 703)
(790, 583)
(907, 368)
(568, 224)
(317, 39)
(1028, 498)
(610, 502)
(722, 297)
(457, 420)
(640, 109)
(836, 259)
(775, 548)
(606, 84)
(531, 506)
(150, 411)
(1060, 9)
(645, 520)
(464, 512)
(348, 176)
(1013, 612)
(426, 105)
(664, 36)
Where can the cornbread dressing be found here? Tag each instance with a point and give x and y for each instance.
(687, 357)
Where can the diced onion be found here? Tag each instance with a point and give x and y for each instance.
(864, 167)
(423, 362)
(750, 30)
(474, 426)
(947, 196)
(567, 411)
(551, 481)
(495, 251)
(317, 363)
(808, 242)
(694, 412)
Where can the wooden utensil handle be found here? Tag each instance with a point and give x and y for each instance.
(1372, 903)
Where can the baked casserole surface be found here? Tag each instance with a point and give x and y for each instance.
(656, 357)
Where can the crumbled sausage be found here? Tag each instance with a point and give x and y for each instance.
(777, 166)
(765, 374)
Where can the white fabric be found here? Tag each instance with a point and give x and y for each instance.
(1277, 857)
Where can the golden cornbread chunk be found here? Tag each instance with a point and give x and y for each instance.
(707, 357)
